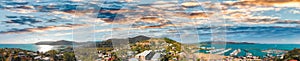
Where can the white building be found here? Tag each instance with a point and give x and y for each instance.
(156, 57)
(142, 56)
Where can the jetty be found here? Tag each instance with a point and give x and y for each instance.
(215, 50)
(222, 52)
(235, 52)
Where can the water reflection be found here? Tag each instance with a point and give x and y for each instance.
(45, 48)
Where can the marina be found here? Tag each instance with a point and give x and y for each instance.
(255, 51)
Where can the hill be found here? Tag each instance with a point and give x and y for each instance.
(292, 55)
(109, 42)
(60, 42)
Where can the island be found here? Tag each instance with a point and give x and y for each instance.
(60, 42)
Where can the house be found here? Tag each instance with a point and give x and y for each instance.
(156, 57)
(46, 58)
(142, 56)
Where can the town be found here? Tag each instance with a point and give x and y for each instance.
(141, 48)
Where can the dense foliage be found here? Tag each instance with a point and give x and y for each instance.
(176, 45)
(292, 55)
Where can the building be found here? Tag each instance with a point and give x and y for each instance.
(142, 56)
(156, 57)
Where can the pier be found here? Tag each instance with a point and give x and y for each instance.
(235, 52)
(216, 50)
(222, 52)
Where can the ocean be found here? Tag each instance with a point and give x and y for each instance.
(256, 49)
(31, 47)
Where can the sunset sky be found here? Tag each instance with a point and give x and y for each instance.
(31, 21)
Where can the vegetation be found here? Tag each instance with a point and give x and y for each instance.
(15, 54)
(105, 49)
(292, 55)
(52, 52)
(140, 48)
(68, 56)
(86, 54)
(176, 46)
(173, 49)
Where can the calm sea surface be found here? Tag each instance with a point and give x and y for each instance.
(31, 47)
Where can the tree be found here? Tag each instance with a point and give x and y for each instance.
(292, 55)
(68, 56)
(52, 54)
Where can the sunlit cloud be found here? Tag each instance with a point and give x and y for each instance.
(244, 18)
(275, 3)
(295, 11)
(43, 29)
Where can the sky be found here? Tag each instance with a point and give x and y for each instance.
(257, 21)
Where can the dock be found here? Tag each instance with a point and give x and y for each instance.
(222, 52)
(235, 52)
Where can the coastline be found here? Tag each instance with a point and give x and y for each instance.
(199, 55)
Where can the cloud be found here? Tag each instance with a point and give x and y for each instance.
(275, 3)
(258, 21)
(288, 22)
(22, 11)
(151, 19)
(190, 4)
(295, 11)
(194, 15)
(114, 29)
(62, 34)
(42, 29)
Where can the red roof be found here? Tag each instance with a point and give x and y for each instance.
(293, 60)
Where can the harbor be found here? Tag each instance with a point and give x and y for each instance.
(246, 52)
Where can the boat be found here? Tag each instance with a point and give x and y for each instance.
(269, 55)
(249, 55)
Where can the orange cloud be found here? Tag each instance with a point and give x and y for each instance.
(194, 15)
(43, 29)
(277, 3)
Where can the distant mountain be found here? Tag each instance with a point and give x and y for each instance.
(108, 43)
(60, 42)
(138, 38)
(227, 42)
